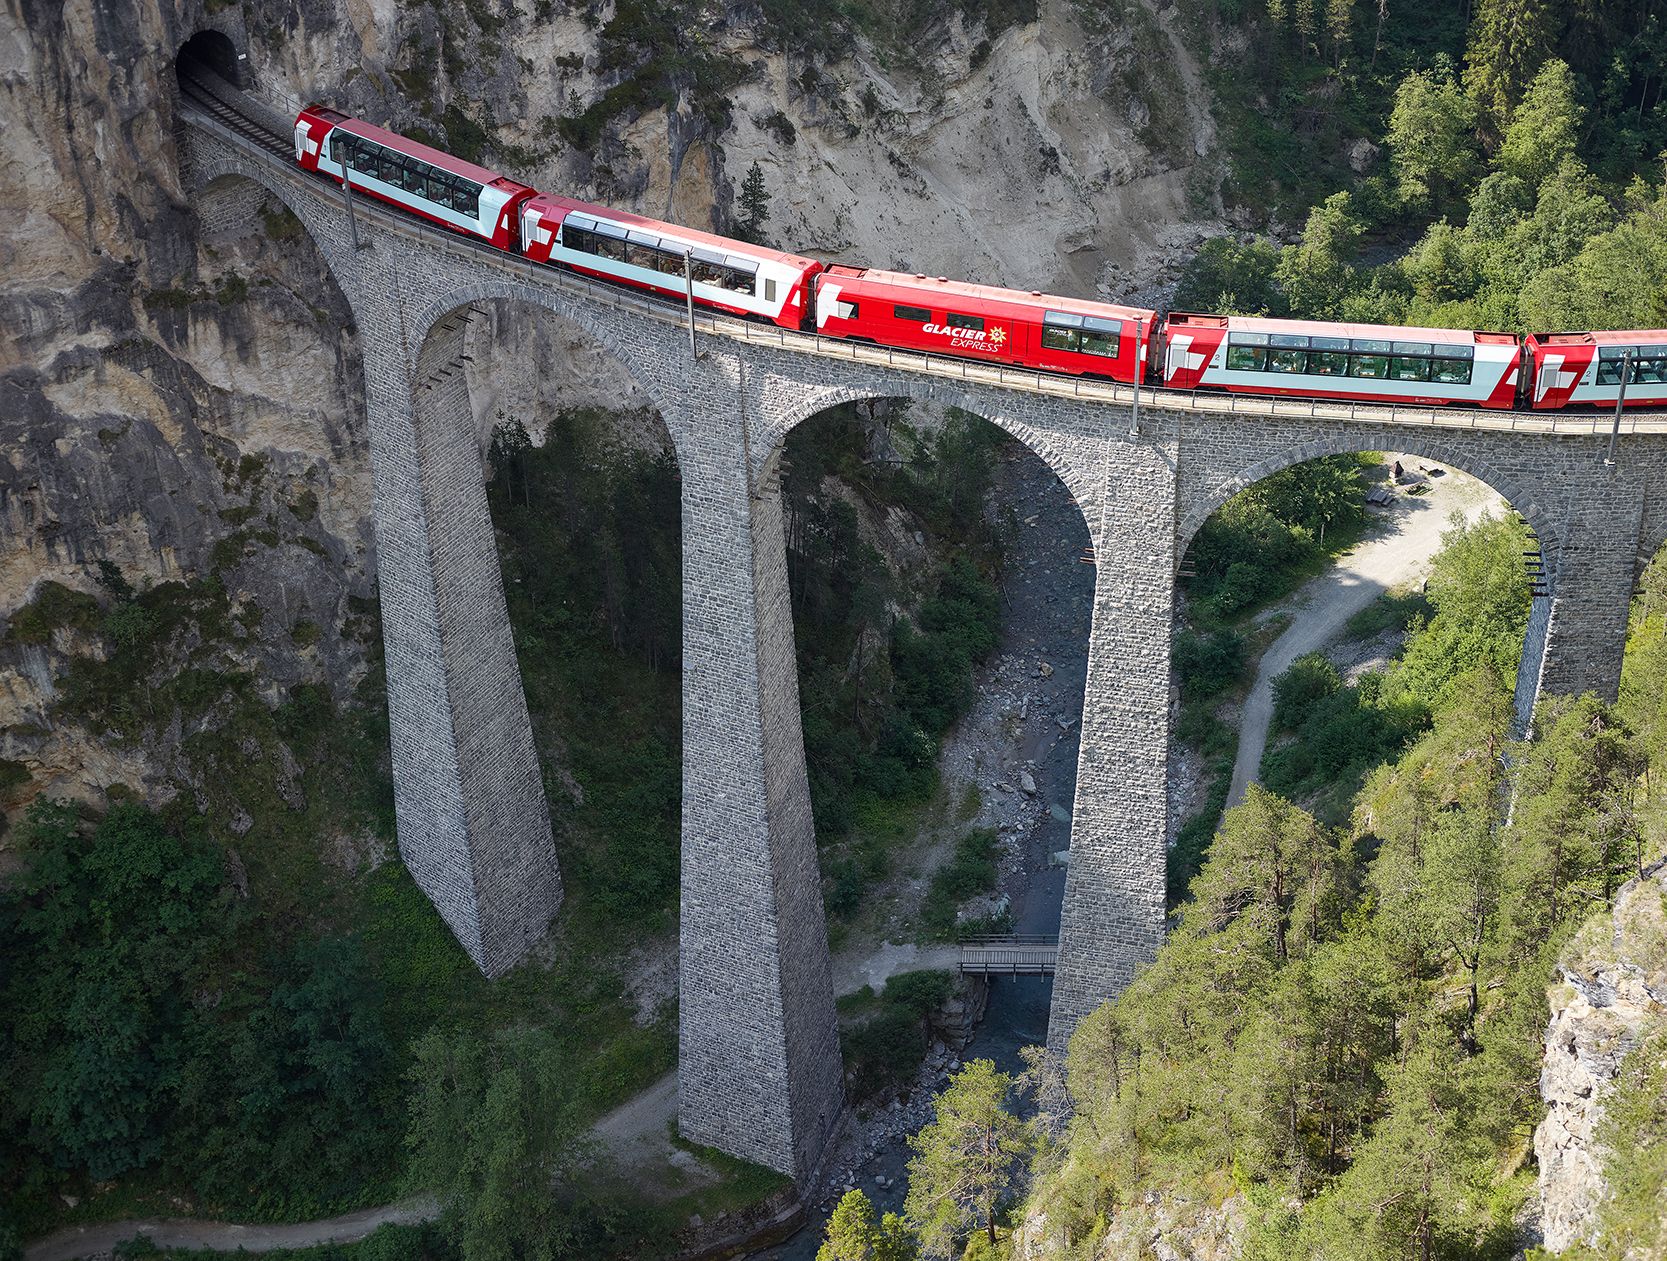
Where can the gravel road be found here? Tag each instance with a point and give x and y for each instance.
(98, 1242)
(1397, 554)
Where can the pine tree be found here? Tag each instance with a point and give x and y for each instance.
(1509, 41)
(965, 1161)
(755, 205)
(857, 1233)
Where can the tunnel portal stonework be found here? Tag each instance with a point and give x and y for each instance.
(760, 1074)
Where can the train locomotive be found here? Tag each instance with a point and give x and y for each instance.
(1307, 359)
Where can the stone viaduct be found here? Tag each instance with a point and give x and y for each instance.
(759, 1066)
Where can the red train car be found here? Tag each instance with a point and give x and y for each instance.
(1572, 369)
(396, 169)
(727, 275)
(946, 317)
(1368, 362)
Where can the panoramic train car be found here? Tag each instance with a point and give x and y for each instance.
(1368, 362)
(443, 189)
(1006, 326)
(728, 275)
(1572, 369)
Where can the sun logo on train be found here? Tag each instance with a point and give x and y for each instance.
(998, 335)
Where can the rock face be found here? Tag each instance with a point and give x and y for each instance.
(1161, 1227)
(1613, 995)
(186, 405)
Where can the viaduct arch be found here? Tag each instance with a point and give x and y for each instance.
(759, 1069)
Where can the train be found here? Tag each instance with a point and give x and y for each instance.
(1309, 359)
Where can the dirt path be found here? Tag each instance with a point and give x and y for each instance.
(99, 1241)
(1397, 555)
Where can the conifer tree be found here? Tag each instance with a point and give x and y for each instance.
(1509, 41)
(755, 205)
(965, 1161)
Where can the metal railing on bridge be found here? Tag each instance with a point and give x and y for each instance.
(1009, 956)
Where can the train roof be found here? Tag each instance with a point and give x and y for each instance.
(920, 282)
(1602, 337)
(1326, 328)
(629, 220)
(416, 149)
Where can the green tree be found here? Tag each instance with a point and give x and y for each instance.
(755, 205)
(1316, 494)
(118, 924)
(1431, 139)
(1317, 272)
(965, 1161)
(1544, 128)
(1418, 1186)
(493, 1135)
(1232, 278)
(1480, 594)
(1509, 41)
(856, 1232)
(1272, 884)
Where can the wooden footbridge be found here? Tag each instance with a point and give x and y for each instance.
(1009, 956)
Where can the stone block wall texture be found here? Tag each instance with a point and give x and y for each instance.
(759, 1067)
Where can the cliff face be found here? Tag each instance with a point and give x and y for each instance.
(175, 409)
(1613, 998)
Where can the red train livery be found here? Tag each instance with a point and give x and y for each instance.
(979, 321)
(1236, 354)
(1570, 369)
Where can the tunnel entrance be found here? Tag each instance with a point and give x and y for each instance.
(213, 53)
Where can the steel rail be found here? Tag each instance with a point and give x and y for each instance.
(241, 130)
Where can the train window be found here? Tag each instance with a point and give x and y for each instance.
(1056, 338)
(1097, 342)
(769, 290)
(1651, 371)
(1409, 368)
(1374, 367)
(1290, 341)
(1283, 360)
(1062, 318)
(577, 239)
(1451, 371)
(639, 255)
(964, 321)
(1326, 363)
(1413, 348)
(668, 264)
(914, 314)
(1247, 358)
(845, 310)
(1249, 339)
(1369, 346)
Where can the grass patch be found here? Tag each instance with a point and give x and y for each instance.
(970, 871)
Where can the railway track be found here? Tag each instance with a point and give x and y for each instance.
(204, 98)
